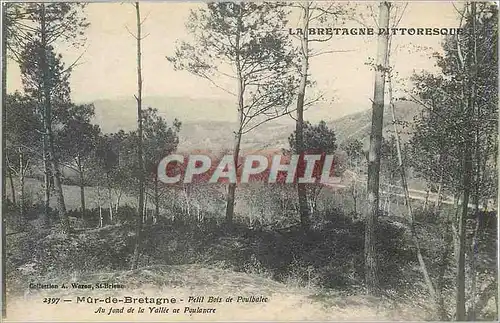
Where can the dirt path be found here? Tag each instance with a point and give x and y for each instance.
(184, 283)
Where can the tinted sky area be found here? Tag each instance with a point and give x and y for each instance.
(107, 68)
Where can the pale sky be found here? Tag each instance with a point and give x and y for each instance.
(108, 66)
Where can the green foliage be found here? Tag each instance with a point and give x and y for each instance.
(354, 150)
(160, 139)
(61, 22)
(77, 149)
(317, 138)
(441, 130)
(21, 128)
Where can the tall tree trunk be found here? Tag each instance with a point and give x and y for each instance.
(374, 154)
(230, 200)
(47, 88)
(82, 186)
(355, 191)
(467, 173)
(138, 229)
(4, 159)
(299, 124)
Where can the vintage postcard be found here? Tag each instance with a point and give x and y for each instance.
(249, 161)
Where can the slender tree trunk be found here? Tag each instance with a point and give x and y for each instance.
(157, 199)
(437, 206)
(47, 88)
(443, 265)
(188, 201)
(4, 159)
(374, 154)
(138, 229)
(354, 199)
(467, 174)
(404, 184)
(473, 272)
(299, 124)
(99, 205)
(230, 201)
(145, 210)
(82, 186)
(12, 187)
(118, 198)
(480, 167)
(46, 174)
(110, 198)
(21, 184)
(426, 201)
(237, 139)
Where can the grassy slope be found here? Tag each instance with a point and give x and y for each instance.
(289, 300)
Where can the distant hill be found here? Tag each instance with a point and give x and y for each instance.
(210, 124)
(358, 125)
(121, 113)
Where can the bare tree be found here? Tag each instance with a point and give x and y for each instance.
(138, 97)
(242, 43)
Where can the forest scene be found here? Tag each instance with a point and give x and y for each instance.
(95, 94)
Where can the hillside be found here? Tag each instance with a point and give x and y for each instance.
(113, 114)
(357, 126)
(209, 124)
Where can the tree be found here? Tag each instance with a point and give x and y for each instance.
(317, 139)
(434, 153)
(115, 157)
(310, 12)
(398, 164)
(389, 167)
(160, 140)
(138, 97)
(242, 43)
(22, 140)
(76, 151)
(37, 27)
(355, 154)
(469, 139)
(473, 72)
(43, 77)
(374, 152)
